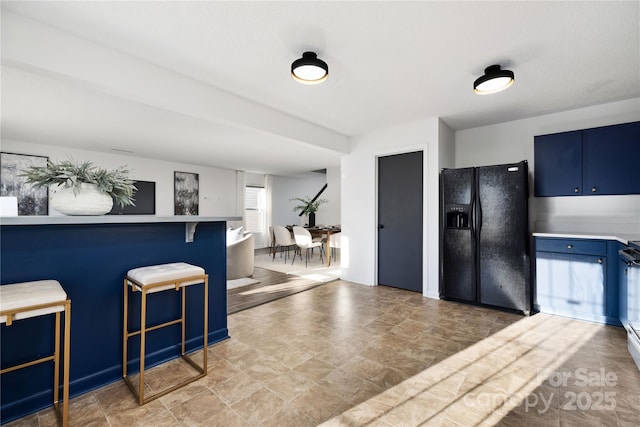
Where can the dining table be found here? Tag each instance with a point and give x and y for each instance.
(322, 232)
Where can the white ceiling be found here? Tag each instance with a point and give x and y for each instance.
(390, 63)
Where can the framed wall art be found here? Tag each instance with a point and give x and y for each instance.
(185, 193)
(144, 198)
(31, 201)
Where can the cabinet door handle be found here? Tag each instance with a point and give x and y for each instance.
(569, 246)
(594, 189)
(599, 260)
(576, 190)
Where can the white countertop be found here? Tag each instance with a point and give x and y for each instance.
(624, 239)
(111, 219)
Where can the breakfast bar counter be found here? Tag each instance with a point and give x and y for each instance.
(90, 256)
(623, 238)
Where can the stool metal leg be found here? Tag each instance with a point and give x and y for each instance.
(184, 300)
(66, 363)
(56, 361)
(125, 329)
(143, 335)
(62, 414)
(206, 325)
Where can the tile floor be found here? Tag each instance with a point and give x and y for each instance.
(350, 355)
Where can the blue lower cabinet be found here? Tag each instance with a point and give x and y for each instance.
(577, 285)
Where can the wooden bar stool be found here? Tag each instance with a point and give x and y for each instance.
(158, 278)
(30, 299)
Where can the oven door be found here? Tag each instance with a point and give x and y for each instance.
(633, 310)
(633, 342)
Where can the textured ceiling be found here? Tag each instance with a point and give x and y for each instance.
(390, 62)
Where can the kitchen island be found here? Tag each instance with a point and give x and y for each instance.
(90, 256)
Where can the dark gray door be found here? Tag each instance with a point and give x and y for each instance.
(400, 221)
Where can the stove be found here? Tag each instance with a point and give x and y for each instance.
(630, 256)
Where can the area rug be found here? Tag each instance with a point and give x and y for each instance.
(237, 283)
(315, 270)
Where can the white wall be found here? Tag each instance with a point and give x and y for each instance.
(287, 187)
(513, 141)
(217, 186)
(446, 144)
(359, 188)
(331, 213)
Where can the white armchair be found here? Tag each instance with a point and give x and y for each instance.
(240, 257)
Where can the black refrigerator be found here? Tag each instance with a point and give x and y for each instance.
(485, 236)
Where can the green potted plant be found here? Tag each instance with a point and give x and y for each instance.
(81, 187)
(308, 207)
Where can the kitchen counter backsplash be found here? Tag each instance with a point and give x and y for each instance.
(589, 228)
(622, 238)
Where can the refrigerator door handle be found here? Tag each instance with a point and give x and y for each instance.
(479, 216)
(472, 216)
(477, 209)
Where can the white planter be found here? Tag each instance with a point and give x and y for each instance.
(88, 201)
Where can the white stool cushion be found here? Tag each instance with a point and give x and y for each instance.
(23, 295)
(175, 271)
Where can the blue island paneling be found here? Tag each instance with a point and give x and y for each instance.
(90, 261)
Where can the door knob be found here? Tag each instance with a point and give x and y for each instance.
(381, 226)
(594, 189)
(576, 190)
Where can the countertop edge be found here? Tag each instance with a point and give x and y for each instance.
(624, 240)
(111, 219)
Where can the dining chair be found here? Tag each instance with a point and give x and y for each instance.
(304, 241)
(272, 240)
(322, 238)
(283, 239)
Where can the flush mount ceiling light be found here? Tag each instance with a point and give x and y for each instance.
(494, 80)
(309, 69)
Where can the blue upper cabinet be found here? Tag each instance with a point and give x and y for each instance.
(611, 159)
(558, 164)
(594, 161)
